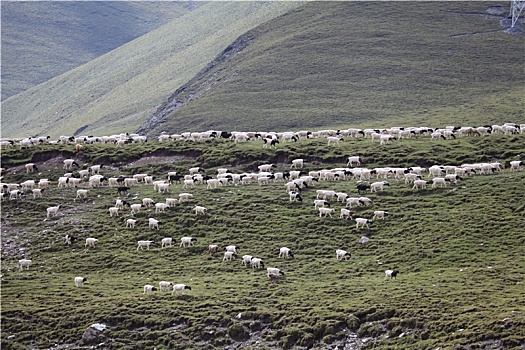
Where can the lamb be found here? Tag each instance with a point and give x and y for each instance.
(43, 183)
(142, 244)
(179, 288)
(184, 197)
(90, 242)
(340, 254)
(24, 263)
(130, 223)
(361, 222)
(52, 211)
(165, 286)
(166, 242)
(391, 274)
(213, 248)
(187, 241)
(229, 255)
(334, 140)
(200, 210)
(153, 223)
(257, 263)
(354, 159)
(285, 253)
(79, 281)
(149, 289)
(379, 214)
(326, 212)
(320, 203)
(346, 214)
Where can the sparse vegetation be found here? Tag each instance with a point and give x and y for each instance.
(459, 250)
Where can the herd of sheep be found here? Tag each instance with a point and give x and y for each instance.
(292, 179)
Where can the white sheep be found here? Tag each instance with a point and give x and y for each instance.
(379, 214)
(187, 241)
(171, 201)
(164, 187)
(52, 211)
(179, 288)
(200, 210)
(257, 263)
(153, 223)
(30, 167)
(24, 263)
(274, 271)
(149, 289)
(515, 165)
(265, 167)
(340, 254)
(391, 274)
(68, 163)
(229, 255)
(419, 184)
(326, 212)
(165, 286)
(113, 211)
(130, 223)
(285, 253)
(146, 202)
(37, 192)
(297, 163)
(354, 159)
(161, 207)
(142, 244)
(213, 248)
(184, 196)
(361, 222)
(135, 208)
(82, 194)
(334, 140)
(166, 242)
(246, 259)
(346, 213)
(79, 281)
(320, 203)
(90, 242)
(231, 248)
(378, 186)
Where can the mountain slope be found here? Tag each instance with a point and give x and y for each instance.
(118, 91)
(41, 40)
(347, 64)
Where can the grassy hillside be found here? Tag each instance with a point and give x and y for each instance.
(120, 90)
(459, 250)
(41, 40)
(357, 63)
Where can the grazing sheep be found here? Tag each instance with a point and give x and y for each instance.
(24, 263)
(340, 254)
(200, 210)
(79, 281)
(161, 207)
(274, 271)
(69, 239)
(153, 223)
(439, 181)
(297, 163)
(257, 263)
(231, 248)
(187, 241)
(346, 214)
(320, 203)
(229, 256)
(142, 244)
(213, 248)
(146, 202)
(380, 215)
(68, 163)
(326, 212)
(149, 289)
(391, 274)
(354, 159)
(285, 252)
(295, 196)
(419, 184)
(246, 259)
(113, 211)
(515, 165)
(135, 208)
(90, 242)
(165, 286)
(378, 186)
(334, 140)
(130, 223)
(179, 288)
(37, 192)
(184, 197)
(166, 242)
(82, 194)
(122, 190)
(52, 211)
(361, 187)
(361, 222)
(30, 167)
